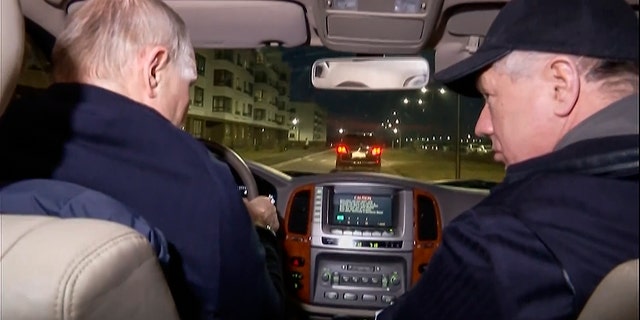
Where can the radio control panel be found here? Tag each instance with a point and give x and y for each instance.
(368, 284)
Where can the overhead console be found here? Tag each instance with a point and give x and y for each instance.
(376, 26)
(358, 245)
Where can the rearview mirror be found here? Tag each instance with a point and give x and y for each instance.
(370, 73)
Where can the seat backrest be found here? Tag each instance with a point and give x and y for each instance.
(616, 297)
(78, 268)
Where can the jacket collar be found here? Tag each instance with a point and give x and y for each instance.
(615, 157)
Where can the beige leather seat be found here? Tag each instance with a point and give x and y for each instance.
(616, 297)
(54, 268)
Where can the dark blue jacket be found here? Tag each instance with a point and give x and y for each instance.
(540, 243)
(68, 200)
(104, 141)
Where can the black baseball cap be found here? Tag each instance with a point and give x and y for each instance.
(605, 29)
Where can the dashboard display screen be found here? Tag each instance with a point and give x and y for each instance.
(362, 210)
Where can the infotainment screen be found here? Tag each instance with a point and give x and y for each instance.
(362, 210)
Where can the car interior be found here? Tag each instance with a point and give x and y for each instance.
(336, 266)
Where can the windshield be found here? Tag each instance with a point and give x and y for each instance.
(261, 103)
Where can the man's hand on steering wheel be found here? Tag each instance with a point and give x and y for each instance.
(263, 213)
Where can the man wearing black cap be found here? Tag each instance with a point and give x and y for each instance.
(560, 83)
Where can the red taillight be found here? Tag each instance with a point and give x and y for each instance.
(341, 149)
(376, 151)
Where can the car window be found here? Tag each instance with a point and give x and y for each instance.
(261, 104)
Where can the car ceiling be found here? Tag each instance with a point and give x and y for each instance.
(453, 27)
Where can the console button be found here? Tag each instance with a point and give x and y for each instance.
(375, 280)
(345, 279)
(336, 231)
(297, 261)
(387, 234)
(395, 279)
(355, 279)
(376, 233)
(330, 241)
(366, 233)
(347, 232)
(331, 295)
(387, 299)
(350, 296)
(326, 276)
(368, 297)
(357, 232)
(364, 280)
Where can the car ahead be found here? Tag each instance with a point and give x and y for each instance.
(358, 152)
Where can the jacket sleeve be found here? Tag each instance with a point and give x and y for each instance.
(489, 266)
(273, 259)
(67, 200)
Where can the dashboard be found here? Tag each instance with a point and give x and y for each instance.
(354, 242)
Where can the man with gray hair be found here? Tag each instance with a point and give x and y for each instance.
(560, 84)
(122, 72)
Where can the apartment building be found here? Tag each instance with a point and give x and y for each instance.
(240, 98)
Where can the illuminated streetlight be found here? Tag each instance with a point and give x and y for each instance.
(295, 121)
(395, 130)
(423, 90)
(340, 130)
(419, 101)
(442, 91)
(397, 121)
(405, 100)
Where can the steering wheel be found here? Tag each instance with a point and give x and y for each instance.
(236, 163)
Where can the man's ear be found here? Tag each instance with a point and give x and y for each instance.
(565, 78)
(155, 62)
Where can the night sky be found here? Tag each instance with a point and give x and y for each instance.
(364, 111)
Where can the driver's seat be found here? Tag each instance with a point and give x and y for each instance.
(55, 268)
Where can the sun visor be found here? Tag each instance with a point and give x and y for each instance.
(216, 24)
(376, 26)
(243, 24)
(464, 33)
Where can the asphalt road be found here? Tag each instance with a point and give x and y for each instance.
(417, 165)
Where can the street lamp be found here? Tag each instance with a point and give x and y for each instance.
(397, 131)
(295, 122)
(341, 130)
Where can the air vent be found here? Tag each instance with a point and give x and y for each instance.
(299, 213)
(427, 220)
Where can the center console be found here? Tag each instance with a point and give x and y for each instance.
(360, 246)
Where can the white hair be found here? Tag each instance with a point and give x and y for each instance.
(614, 75)
(102, 37)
